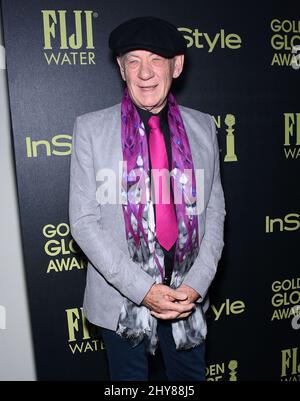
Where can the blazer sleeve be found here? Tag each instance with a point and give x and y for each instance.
(201, 274)
(105, 255)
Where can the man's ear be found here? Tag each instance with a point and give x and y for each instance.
(121, 66)
(178, 65)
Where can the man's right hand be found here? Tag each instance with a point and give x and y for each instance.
(163, 302)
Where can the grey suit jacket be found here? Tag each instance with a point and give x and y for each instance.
(99, 229)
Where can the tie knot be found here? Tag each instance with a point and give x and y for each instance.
(154, 122)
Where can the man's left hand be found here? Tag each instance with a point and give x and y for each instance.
(192, 296)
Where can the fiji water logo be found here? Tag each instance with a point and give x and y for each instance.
(68, 37)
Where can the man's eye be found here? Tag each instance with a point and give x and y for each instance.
(157, 60)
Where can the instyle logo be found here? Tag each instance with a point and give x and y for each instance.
(284, 40)
(227, 308)
(286, 294)
(2, 317)
(68, 37)
(64, 253)
(290, 366)
(229, 121)
(211, 41)
(291, 135)
(222, 371)
(82, 336)
(58, 145)
(289, 222)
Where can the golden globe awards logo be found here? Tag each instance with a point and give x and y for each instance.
(62, 249)
(286, 295)
(222, 371)
(83, 337)
(291, 135)
(290, 364)
(61, 46)
(229, 121)
(211, 42)
(285, 40)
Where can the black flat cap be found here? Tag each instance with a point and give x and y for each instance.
(147, 33)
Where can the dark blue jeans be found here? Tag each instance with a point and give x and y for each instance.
(131, 363)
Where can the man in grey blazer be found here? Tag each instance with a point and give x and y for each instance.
(151, 261)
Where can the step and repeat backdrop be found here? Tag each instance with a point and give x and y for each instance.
(243, 68)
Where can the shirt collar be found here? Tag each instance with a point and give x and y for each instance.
(145, 115)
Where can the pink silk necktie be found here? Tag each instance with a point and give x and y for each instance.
(166, 221)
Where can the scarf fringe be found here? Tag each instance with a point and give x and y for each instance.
(131, 335)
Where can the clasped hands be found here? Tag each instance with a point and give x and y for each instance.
(166, 303)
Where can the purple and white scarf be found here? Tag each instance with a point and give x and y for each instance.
(136, 322)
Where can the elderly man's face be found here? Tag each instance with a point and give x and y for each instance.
(149, 77)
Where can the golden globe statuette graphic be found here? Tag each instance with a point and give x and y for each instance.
(230, 155)
(220, 371)
(232, 366)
